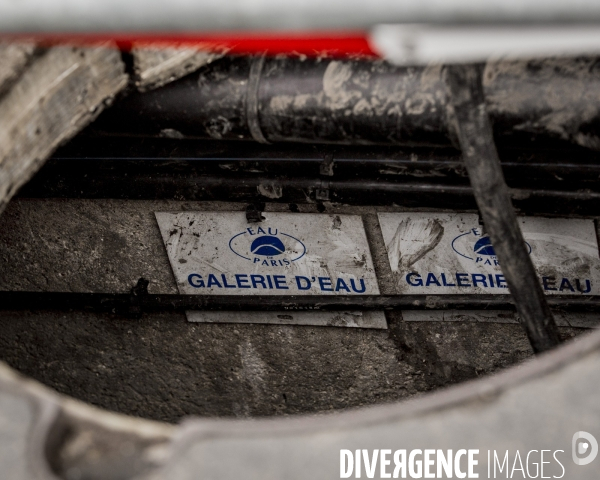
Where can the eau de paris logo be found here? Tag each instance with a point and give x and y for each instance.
(267, 247)
(476, 246)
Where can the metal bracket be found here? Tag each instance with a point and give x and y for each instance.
(138, 292)
(254, 212)
(326, 166)
(322, 194)
(322, 191)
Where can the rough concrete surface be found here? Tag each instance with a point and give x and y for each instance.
(163, 367)
(13, 59)
(521, 412)
(55, 97)
(45, 436)
(156, 66)
(65, 245)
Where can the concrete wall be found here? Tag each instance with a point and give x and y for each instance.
(163, 367)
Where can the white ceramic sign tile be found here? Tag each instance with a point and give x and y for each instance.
(439, 253)
(220, 253)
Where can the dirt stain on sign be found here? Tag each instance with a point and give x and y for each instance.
(413, 240)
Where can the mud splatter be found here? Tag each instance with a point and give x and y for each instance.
(412, 241)
(270, 190)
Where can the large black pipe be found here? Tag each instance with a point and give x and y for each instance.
(362, 102)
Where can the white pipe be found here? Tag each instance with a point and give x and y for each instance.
(426, 44)
(228, 15)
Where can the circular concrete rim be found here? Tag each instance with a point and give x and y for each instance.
(49, 406)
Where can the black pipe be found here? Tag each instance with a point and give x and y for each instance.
(242, 188)
(492, 196)
(424, 184)
(143, 302)
(362, 102)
